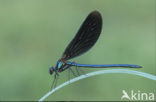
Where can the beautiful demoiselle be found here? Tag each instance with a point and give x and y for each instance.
(85, 38)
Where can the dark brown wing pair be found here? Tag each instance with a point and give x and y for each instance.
(86, 37)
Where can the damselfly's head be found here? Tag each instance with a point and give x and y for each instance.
(51, 70)
(58, 68)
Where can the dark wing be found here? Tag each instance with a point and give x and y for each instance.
(86, 36)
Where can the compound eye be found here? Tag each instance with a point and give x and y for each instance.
(51, 70)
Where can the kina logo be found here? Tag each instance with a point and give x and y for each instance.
(138, 95)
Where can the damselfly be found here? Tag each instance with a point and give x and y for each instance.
(85, 38)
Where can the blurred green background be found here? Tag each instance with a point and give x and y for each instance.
(34, 34)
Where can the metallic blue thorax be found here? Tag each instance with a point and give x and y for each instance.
(59, 65)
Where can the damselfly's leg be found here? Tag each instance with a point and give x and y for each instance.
(82, 71)
(79, 71)
(69, 75)
(68, 67)
(73, 72)
(55, 80)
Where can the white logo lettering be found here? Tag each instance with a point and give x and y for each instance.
(125, 95)
(137, 96)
